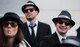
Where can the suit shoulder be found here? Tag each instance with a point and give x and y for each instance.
(51, 36)
(48, 37)
(44, 23)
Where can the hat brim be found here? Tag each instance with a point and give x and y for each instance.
(24, 6)
(56, 19)
(3, 19)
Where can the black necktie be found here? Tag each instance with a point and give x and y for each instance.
(33, 38)
(32, 29)
(63, 39)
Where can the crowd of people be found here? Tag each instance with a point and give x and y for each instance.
(30, 32)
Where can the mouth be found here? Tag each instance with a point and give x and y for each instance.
(9, 32)
(62, 28)
(29, 14)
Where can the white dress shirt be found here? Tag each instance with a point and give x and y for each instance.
(35, 28)
(60, 37)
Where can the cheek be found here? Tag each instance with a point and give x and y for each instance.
(68, 28)
(35, 13)
(25, 14)
(57, 25)
(5, 30)
(15, 30)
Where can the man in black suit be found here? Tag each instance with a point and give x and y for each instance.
(78, 32)
(34, 29)
(63, 23)
(71, 42)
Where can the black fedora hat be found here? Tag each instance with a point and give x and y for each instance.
(11, 16)
(30, 3)
(64, 15)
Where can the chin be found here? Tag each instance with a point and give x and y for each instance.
(10, 36)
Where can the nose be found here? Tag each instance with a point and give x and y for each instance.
(63, 24)
(28, 11)
(9, 25)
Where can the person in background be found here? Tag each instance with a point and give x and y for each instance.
(70, 43)
(34, 29)
(11, 31)
(24, 20)
(78, 32)
(63, 23)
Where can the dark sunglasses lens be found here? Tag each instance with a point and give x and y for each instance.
(26, 10)
(60, 22)
(13, 24)
(67, 23)
(5, 24)
(31, 10)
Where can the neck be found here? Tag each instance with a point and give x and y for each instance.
(10, 41)
(63, 35)
(33, 21)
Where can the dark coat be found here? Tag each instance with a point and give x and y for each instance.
(78, 32)
(50, 41)
(43, 30)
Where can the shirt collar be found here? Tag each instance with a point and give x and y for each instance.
(36, 22)
(59, 36)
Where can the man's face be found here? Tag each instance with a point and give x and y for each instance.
(30, 13)
(62, 26)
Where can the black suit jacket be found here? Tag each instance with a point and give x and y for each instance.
(43, 29)
(78, 32)
(50, 41)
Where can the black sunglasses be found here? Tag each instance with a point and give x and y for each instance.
(30, 9)
(67, 23)
(12, 23)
